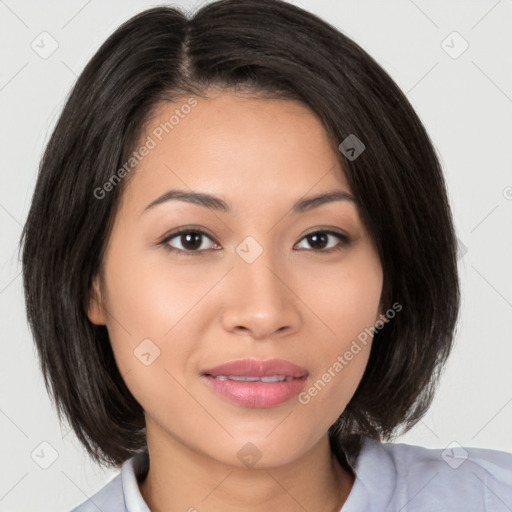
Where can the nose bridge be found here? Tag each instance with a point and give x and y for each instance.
(258, 300)
(258, 278)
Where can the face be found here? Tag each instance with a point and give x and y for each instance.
(254, 275)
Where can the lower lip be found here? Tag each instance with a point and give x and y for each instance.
(256, 394)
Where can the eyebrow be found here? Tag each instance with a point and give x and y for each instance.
(216, 203)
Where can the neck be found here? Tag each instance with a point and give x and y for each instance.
(180, 478)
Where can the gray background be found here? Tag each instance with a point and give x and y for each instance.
(464, 100)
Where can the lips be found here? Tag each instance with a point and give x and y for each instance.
(254, 383)
(255, 368)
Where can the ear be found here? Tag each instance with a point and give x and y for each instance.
(95, 309)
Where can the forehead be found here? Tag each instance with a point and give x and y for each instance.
(236, 146)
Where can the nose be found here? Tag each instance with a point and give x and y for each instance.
(260, 301)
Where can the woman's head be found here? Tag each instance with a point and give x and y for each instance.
(257, 103)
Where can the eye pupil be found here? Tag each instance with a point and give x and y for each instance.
(316, 237)
(191, 240)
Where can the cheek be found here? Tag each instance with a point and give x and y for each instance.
(345, 297)
(154, 308)
(149, 293)
(347, 303)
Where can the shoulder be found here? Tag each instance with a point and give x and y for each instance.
(110, 497)
(454, 478)
(122, 493)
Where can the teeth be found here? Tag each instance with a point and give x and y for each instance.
(243, 379)
(273, 378)
(240, 378)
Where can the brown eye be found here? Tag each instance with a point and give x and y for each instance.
(326, 241)
(191, 241)
(187, 241)
(318, 240)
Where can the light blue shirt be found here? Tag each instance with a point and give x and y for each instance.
(389, 477)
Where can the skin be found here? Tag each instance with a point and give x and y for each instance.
(202, 310)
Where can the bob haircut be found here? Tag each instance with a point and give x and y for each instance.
(266, 49)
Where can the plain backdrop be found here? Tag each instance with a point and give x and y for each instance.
(463, 96)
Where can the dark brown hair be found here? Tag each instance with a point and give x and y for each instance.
(267, 48)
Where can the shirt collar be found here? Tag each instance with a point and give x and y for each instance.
(375, 480)
(132, 470)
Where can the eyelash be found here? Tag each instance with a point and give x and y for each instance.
(343, 239)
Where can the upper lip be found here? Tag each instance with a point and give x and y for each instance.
(257, 368)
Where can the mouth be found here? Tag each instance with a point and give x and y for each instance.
(254, 383)
(243, 378)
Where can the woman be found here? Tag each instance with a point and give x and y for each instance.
(241, 274)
